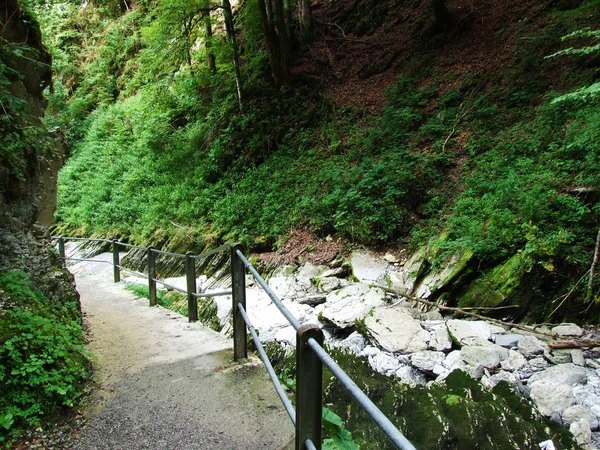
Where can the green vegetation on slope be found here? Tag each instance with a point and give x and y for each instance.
(42, 359)
(160, 150)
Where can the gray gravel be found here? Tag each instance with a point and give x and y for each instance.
(163, 383)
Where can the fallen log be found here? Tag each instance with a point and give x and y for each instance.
(573, 343)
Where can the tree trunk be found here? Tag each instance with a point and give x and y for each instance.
(284, 50)
(289, 21)
(210, 56)
(590, 291)
(228, 16)
(271, 43)
(269, 11)
(306, 21)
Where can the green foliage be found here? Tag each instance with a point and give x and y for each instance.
(42, 359)
(339, 438)
(20, 132)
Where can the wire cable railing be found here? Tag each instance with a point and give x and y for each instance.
(306, 415)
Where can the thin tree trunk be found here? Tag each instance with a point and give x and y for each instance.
(590, 292)
(284, 51)
(271, 43)
(306, 21)
(228, 15)
(269, 11)
(289, 21)
(210, 56)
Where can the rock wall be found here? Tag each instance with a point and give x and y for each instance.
(28, 167)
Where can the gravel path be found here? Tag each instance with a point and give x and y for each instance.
(163, 383)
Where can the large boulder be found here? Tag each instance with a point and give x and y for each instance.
(563, 374)
(351, 304)
(463, 331)
(488, 356)
(368, 268)
(530, 346)
(395, 330)
(551, 398)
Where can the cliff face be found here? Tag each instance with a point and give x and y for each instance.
(29, 156)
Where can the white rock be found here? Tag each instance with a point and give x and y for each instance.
(367, 268)
(487, 356)
(390, 258)
(384, 363)
(307, 273)
(575, 413)
(563, 374)
(538, 363)
(396, 331)
(345, 306)
(515, 361)
(452, 362)
(462, 330)
(427, 360)
(586, 396)
(338, 272)
(355, 343)
(370, 350)
(582, 432)
(439, 338)
(287, 334)
(328, 284)
(551, 398)
(595, 416)
(558, 356)
(507, 340)
(567, 329)
(530, 346)
(577, 357)
(489, 381)
(410, 376)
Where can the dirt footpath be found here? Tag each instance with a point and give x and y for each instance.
(163, 383)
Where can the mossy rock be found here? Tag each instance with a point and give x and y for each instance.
(459, 414)
(495, 286)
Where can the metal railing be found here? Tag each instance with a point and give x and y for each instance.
(310, 354)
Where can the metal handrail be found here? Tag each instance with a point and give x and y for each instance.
(310, 355)
(265, 359)
(137, 247)
(162, 252)
(286, 313)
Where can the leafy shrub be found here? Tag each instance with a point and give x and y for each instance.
(43, 363)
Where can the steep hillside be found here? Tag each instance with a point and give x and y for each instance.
(393, 128)
(42, 363)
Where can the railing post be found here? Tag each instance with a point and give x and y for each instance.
(309, 386)
(116, 262)
(151, 276)
(190, 274)
(238, 290)
(61, 248)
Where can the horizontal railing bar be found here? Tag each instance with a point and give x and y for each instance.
(85, 259)
(309, 445)
(67, 238)
(175, 288)
(139, 247)
(390, 430)
(162, 252)
(286, 313)
(211, 294)
(265, 359)
(212, 252)
(139, 274)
